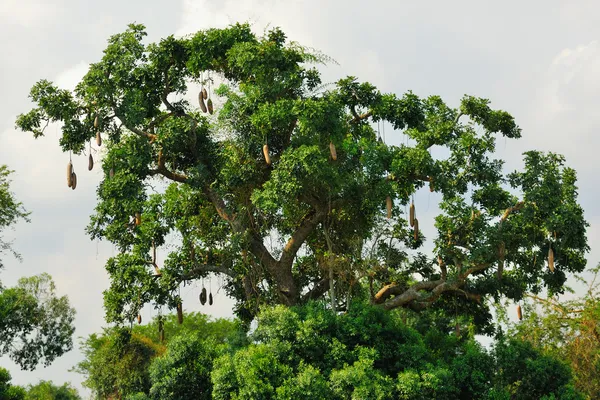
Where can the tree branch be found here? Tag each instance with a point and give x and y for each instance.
(317, 291)
(511, 210)
(162, 170)
(292, 246)
(357, 118)
(223, 268)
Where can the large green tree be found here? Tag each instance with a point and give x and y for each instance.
(283, 186)
(36, 325)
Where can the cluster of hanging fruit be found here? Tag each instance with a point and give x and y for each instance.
(71, 175)
(208, 106)
(203, 297)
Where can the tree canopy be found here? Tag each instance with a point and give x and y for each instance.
(309, 352)
(285, 188)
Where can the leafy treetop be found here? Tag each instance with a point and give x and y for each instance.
(312, 219)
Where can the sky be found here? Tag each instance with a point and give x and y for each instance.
(538, 60)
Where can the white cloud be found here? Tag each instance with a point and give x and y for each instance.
(28, 13)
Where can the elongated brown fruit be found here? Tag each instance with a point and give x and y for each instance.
(203, 296)
(201, 102)
(179, 313)
(411, 218)
(90, 162)
(431, 187)
(416, 228)
(96, 122)
(519, 313)
(551, 259)
(98, 139)
(70, 174)
(73, 181)
(138, 218)
(332, 151)
(266, 154)
(388, 205)
(210, 299)
(204, 94)
(111, 173)
(209, 106)
(139, 319)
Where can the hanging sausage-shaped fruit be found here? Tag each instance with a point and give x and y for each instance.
(519, 313)
(501, 254)
(388, 206)
(201, 100)
(551, 259)
(416, 228)
(412, 214)
(204, 93)
(70, 174)
(138, 218)
(90, 162)
(139, 319)
(180, 313)
(210, 299)
(203, 296)
(266, 154)
(209, 106)
(332, 151)
(73, 180)
(98, 139)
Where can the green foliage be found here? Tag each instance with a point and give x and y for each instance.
(8, 391)
(183, 372)
(134, 363)
(36, 325)
(46, 390)
(526, 373)
(307, 352)
(116, 363)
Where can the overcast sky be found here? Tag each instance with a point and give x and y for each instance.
(539, 60)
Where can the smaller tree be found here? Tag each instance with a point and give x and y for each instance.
(116, 363)
(46, 390)
(36, 326)
(8, 391)
(136, 363)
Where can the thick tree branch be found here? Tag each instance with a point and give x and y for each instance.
(317, 291)
(162, 170)
(511, 210)
(196, 272)
(292, 246)
(132, 128)
(357, 118)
